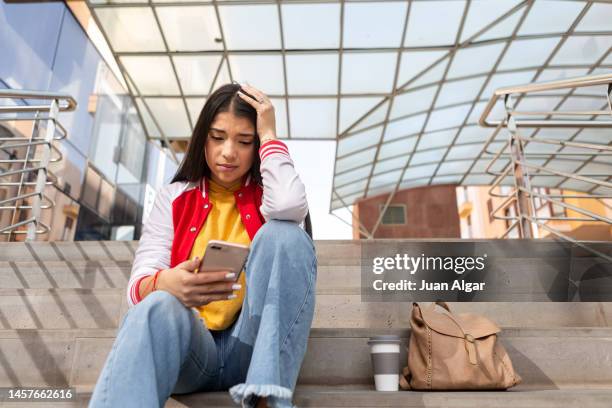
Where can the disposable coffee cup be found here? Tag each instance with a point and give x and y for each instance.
(385, 353)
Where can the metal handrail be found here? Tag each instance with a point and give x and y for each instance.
(53, 131)
(518, 167)
(572, 83)
(65, 102)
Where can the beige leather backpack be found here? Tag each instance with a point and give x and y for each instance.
(455, 352)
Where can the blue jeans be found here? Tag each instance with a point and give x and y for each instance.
(164, 348)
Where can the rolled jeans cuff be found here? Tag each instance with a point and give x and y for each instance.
(248, 394)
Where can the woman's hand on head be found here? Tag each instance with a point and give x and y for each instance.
(195, 289)
(266, 121)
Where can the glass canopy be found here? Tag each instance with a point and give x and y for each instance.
(399, 84)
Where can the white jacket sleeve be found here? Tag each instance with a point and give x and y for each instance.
(284, 194)
(155, 243)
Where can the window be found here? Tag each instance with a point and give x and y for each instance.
(395, 214)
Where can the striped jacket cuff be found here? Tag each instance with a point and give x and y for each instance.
(135, 292)
(273, 147)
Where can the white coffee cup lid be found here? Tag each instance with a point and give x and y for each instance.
(387, 338)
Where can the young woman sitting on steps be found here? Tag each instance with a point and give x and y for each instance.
(187, 332)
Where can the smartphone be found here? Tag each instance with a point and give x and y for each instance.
(224, 256)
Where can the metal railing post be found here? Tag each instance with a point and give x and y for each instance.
(524, 203)
(41, 178)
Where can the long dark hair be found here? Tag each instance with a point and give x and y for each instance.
(224, 99)
(194, 165)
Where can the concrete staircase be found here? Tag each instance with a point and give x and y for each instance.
(61, 303)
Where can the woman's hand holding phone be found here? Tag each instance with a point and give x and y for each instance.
(197, 289)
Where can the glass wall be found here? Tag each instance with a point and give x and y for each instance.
(102, 180)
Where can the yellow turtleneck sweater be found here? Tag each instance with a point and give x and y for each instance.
(223, 223)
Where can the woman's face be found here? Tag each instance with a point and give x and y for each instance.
(230, 148)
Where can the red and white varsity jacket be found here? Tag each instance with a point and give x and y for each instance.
(181, 208)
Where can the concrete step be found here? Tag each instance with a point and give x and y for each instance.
(360, 396)
(103, 308)
(550, 358)
(329, 252)
(366, 397)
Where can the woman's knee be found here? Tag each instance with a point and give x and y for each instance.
(163, 308)
(283, 235)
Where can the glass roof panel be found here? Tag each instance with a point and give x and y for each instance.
(533, 52)
(481, 165)
(434, 23)
(503, 80)
(194, 106)
(351, 109)
(416, 172)
(404, 127)
(504, 28)
(376, 117)
(604, 169)
(564, 165)
(463, 62)
(171, 116)
(538, 103)
(429, 156)
(350, 199)
(413, 63)
(148, 121)
(556, 74)
(301, 18)
(352, 188)
(583, 50)
(373, 24)
(497, 113)
(454, 167)
(483, 13)
(265, 72)
(391, 164)
(312, 74)
(600, 136)
(196, 72)
(432, 76)
(192, 28)
(384, 179)
(576, 185)
(355, 160)
(302, 112)
(402, 146)
(437, 139)
(359, 141)
(546, 181)
(446, 179)
(352, 176)
(413, 102)
(152, 75)
(474, 133)
(547, 17)
(368, 72)
(597, 18)
(130, 29)
(460, 91)
(448, 117)
(582, 103)
(250, 27)
(280, 110)
(478, 179)
(224, 76)
(470, 151)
